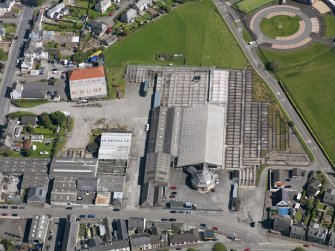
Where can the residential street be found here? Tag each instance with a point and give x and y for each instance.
(255, 238)
(10, 68)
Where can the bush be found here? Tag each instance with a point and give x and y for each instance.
(29, 128)
(92, 148)
(27, 153)
(219, 247)
(298, 249)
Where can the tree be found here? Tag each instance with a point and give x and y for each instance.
(27, 153)
(44, 120)
(191, 249)
(219, 247)
(298, 249)
(92, 148)
(57, 118)
(9, 246)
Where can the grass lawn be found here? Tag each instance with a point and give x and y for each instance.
(10, 28)
(330, 25)
(194, 29)
(27, 103)
(247, 36)
(3, 55)
(247, 6)
(280, 26)
(309, 77)
(81, 6)
(298, 216)
(63, 27)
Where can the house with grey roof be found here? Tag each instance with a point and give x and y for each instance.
(102, 5)
(109, 41)
(36, 196)
(16, 91)
(136, 225)
(28, 120)
(317, 234)
(329, 197)
(97, 28)
(141, 6)
(151, 196)
(128, 16)
(282, 224)
(57, 11)
(313, 188)
(116, 245)
(6, 5)
(140, 242)
(188, 237)
(280, 198)
(298, 232)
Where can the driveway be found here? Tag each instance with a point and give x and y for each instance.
(132, 111)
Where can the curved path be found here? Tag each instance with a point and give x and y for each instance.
(296, 40)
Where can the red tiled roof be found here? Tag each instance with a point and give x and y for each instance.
(93, 72)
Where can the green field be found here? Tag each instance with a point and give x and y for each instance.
(330, 25)
(194, 29)
(309, 76)
(247, 6)
(280, 26)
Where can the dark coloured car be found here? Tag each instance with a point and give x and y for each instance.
(174, 193)
(288, 186)
(164, 219)
(172, 197)
(92, 216)
(173, 212)
(14, 214)
(22, 207)
(14, 207)
(172, 219)
(82, 216)
(69, 208)
(252, 224)
(116, 209)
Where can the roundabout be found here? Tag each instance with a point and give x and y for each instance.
(283, 27)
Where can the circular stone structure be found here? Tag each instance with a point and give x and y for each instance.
(301, 37)
(204, 180)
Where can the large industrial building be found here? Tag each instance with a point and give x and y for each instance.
(203, 117)
(115, 145)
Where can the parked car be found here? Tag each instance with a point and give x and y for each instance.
(306, 245)
(172, 197)
(215, 228)
(172, 219)
(181, 212)
(204, 225)
(173, 212)
(69, 208)
(110, 14)
(4, 214)
(14, 207)
(82, 216)
(14, 214)
(173, 187)
(174, 193)
(92, 216)
(253, 224)
(164, 219)
(247, 249)
(116, 209)
(288, 186)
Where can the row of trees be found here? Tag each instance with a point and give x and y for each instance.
(51, 120)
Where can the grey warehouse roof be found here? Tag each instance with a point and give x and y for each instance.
(201, 135)
(61, 167)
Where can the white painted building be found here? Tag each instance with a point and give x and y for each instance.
(115, 145)
(57, 11)
(103, 5)
(6, 6)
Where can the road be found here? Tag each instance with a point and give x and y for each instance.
(321, 161)
(10, 68)
(255, 238)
